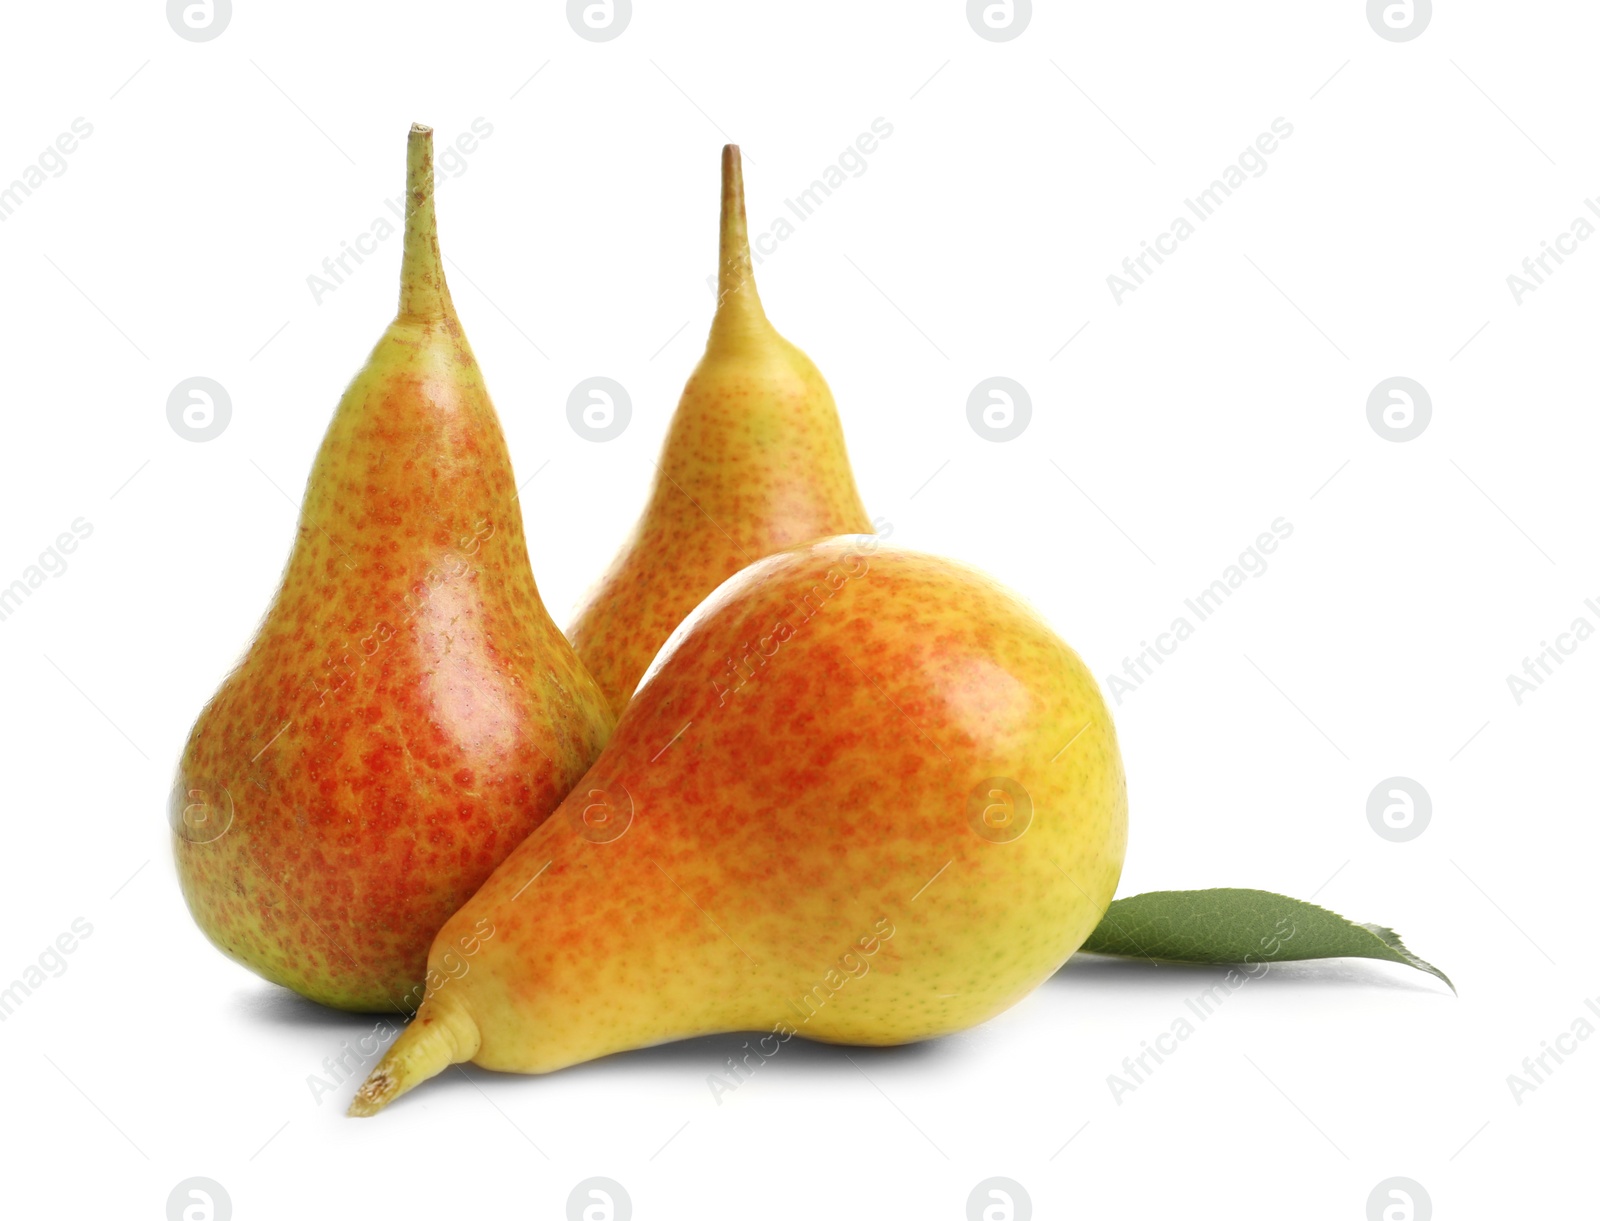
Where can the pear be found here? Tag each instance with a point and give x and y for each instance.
(864, 796)
(754, 462)
(408, 711)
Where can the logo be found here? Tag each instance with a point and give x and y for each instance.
(599, 409)
(999, 20)
(199, 1199)
(599, 1199)
(199, 409)
(1399, 409)
(600, 815)
(199, 20)
(1399, 1200)
(1399, 809)
(1399, 20)
(999, 810)
(599, 20)
(999, 1199)
(200, 813)
(999, 409)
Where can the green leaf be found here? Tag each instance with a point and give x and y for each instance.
(1240, 926)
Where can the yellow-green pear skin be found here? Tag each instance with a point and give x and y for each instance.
(754, 462)
(864, 796)
(408, 711)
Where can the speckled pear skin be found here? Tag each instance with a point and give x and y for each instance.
(408, 711)
(754, 462)
(827, 848)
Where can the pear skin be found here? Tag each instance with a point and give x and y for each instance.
(864, 796)
(408, 711)
(754, 462)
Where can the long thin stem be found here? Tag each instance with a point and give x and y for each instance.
(424, 295)
(440, 1035)
(738, 304)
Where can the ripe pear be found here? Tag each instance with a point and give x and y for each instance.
(864, 796)
(754, 462)
(408, 711)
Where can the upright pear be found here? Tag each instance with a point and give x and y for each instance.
(898, 811)
(407, 712)
(754, 462)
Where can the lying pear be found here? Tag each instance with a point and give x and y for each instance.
(864, 796)
(407, 712)
(754, 462)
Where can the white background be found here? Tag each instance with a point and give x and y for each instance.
(1226, 392)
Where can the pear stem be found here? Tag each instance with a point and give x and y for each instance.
(440, 1035)
(424, 295)
(738, 304)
